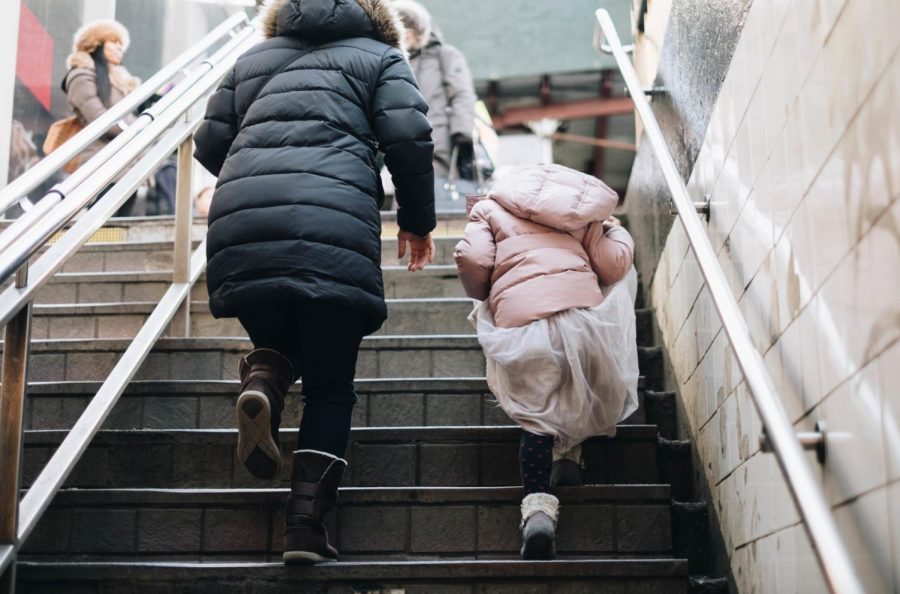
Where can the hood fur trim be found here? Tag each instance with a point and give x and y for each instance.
(419, 19)
(79, 59)
(91, 35)
(388, 26)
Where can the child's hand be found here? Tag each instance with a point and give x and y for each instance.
(611, 222)
(421, 249)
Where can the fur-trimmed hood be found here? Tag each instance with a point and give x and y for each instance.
(326, 20)
(417, 18)
(89, 36)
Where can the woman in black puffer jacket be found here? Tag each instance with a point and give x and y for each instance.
(294, 244)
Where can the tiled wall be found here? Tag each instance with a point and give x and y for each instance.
(801, 160)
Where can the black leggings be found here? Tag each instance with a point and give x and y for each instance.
(322, 342)
(535, 462)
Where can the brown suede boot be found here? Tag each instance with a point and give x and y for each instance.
(314, 493)
(266, 376)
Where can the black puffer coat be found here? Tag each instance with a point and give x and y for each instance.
(292, 134)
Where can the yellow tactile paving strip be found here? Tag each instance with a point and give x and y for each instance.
(102, 235)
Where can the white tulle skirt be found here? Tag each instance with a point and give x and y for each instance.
(573, 375)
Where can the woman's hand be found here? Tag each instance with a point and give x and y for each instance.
(421, 249)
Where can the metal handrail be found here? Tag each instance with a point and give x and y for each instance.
(128, 160)
(832, 555)
(76, 192)
(19, 188)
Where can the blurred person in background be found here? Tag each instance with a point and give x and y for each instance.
(96, 80)
(446, 83)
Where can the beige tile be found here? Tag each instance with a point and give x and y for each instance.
(856, 451)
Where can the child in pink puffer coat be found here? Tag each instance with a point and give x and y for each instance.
(553, 270)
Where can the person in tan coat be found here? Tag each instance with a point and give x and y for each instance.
(96, 80)
(553, 269)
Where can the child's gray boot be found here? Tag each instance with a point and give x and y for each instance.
(539, 514)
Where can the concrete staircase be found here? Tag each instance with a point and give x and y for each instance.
(429, 503)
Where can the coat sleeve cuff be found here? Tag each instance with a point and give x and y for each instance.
(415, 200)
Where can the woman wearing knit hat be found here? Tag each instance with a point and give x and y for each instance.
(96, 80)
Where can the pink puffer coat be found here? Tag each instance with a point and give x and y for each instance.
(541, 243)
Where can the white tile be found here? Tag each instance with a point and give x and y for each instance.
(748, 247)
(818, 133)
(787, 281)
(808, 356)
(891, 130)
(759, 305)
(726, 424)
(767, 502)
(725, 203)
(733, 376)
(783, 203)
(866, 180)
(861, 295)
(889, 388)
(893, 496)
(834, 366)
(855, 462)
(731, 271)
(716, 376)
(709, 449)
(809, 577)
(865, 531)
(790, 345)
(732, 496)
(749, 425)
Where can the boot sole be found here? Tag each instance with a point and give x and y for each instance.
(256, 448)
(304, 557)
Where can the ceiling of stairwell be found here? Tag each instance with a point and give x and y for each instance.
(533, 53)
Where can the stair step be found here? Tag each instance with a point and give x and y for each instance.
(116, 287)
(210, 404)
(134, 256)
(124, 320)
(413, 316)
(162, 228)
(217, 358)
(371, 522)
(614, 576)
(392, 457)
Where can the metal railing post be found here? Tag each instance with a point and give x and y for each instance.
(12, 407)
(181, 325)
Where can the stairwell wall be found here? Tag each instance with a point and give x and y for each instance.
(801, 159)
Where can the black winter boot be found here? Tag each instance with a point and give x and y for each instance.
(266, 376)
(568, 468)
(539, 513)
(314, 493)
